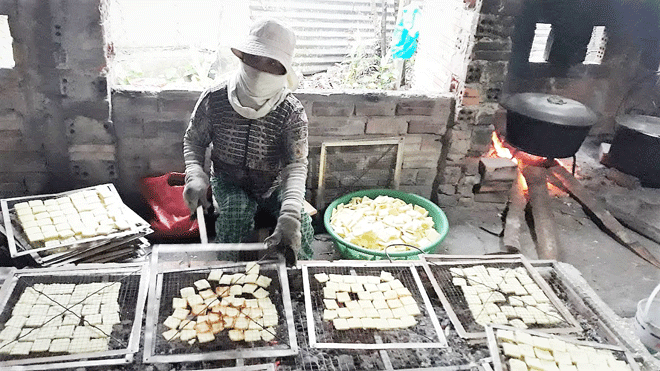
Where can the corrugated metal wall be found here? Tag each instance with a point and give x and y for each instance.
(328, 30)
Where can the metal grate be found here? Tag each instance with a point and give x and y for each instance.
(19, 245)
(122, 340)
(500, 360)
(453, 298)
(426, 333)
(173, 268)
(172, 282)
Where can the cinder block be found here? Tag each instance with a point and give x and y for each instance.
(481, 139)
(426, 161)
(83, 130)
(165, 165)
(131, 128)
(490, 44)
(332, 126)
(383, 108)
(427, 126)
(416, 107)
(82, 86)
(386, 125)
(177, 128)
(412, 144)
(82, 152)
(21, 162)
(491, 55)
(431, 143)
(177, 100)
(466, 116)
(94, 171)
(320, 108)
(495, 71)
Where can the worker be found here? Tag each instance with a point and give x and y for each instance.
(257, 130)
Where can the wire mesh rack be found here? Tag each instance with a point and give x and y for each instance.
(69, 250)
(554, 349)
(426, 333)
(51, 306)
(170, 275)
(266, 367)
(444, 270)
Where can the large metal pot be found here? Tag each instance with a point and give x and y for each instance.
(547, 125)
(635, 148)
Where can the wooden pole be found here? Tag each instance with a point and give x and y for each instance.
(608, 221)
(544, 224)
(515, 216)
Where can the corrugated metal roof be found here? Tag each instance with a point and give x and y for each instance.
(328, 30)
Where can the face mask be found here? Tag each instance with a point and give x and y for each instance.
(255, 88)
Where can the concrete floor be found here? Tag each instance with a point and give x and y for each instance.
(615, 273)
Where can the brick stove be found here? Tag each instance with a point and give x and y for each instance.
(523, 180)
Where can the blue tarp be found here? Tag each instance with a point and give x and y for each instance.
(406, 32)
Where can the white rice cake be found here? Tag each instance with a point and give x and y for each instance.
(187, 291)
(21, 348)
(202, 285)
(263, 281)
(517, 365)
(40, 345)
(188, 335)
(322, 277)
(205, 337)
(267, 334)
(59, 345)
(251, 278)
(236, 335)
(214, 275)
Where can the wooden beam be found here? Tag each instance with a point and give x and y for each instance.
(544, 223)
(515, 216)
(598, 210)
(631, 218)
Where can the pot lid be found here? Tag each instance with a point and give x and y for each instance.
(649, 125)
(551, 108)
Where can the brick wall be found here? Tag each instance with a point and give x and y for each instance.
(498, 65)
(150, 126)
(22, 160)
(54, 106)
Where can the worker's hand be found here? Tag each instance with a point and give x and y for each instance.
(196, 190)
(285, 239)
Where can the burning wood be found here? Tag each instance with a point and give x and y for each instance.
(515, 216)
(544, 225)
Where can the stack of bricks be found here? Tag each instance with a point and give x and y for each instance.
(478, 113)
(497, 177)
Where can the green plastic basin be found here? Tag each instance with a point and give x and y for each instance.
(351, 251)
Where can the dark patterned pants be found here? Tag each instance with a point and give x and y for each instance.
(236, 210)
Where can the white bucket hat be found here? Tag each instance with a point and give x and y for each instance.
(273, 39)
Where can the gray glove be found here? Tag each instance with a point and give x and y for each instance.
(286, 238)
(196, 189)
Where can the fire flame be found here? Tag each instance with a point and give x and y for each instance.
(498, 149)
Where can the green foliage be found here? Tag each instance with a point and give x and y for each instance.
(364, 68)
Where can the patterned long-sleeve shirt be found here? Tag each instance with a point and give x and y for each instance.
(257, 154)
